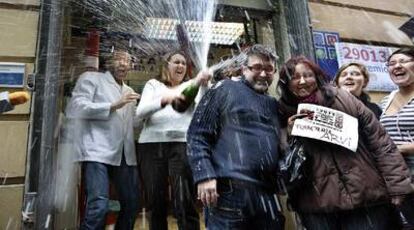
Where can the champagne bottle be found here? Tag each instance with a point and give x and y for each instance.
(189, 94)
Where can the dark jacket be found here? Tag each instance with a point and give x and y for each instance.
(339, 179)
(372, 106)
(234, 134)
(5, 103)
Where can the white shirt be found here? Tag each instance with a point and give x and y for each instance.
(4, 102)
(163, 124)
(101, 135)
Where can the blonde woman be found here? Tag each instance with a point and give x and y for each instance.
(162, 144)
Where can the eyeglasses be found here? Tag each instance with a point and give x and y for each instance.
(259, 68)
(401, 61)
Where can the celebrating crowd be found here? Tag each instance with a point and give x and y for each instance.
(225, 149)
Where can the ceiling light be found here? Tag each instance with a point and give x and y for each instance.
(221, 32)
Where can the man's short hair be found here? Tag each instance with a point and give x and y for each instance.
(261, 51)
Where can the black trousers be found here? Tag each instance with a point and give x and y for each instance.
(160, 163)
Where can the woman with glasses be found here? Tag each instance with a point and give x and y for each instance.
(341, 189)
(162, 144)
(398, 107)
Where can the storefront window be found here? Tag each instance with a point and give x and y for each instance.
(210, 35)
(98, 84)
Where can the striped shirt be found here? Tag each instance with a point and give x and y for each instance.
(399, 126)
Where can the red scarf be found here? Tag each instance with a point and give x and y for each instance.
(311, 99)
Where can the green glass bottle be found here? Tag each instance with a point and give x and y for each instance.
(189, 93)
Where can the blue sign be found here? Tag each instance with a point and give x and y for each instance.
(324, 44)
(12, 75)
(11, 79)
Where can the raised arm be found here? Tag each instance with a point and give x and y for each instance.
(5, 104)
(202, 80)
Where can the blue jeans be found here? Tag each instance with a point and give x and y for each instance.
(239, 207)
(125, 181)
(381, 217)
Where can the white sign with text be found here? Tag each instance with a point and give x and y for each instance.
(373, 57)
(327, 125)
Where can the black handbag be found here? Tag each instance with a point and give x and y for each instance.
(291, 164)
(405, 212)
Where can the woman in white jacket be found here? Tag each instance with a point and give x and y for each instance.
(162, 144)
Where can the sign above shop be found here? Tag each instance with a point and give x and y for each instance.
(221, 32)
(12, 74)
(373, 57)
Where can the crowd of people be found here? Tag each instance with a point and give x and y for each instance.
(225, 149)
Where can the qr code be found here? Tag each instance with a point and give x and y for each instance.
(339, 121)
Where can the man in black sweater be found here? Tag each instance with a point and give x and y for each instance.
(233, 148)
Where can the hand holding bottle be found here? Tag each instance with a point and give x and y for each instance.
(203, 77)
(168, 96)
(181, 104)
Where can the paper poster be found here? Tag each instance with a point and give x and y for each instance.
(327, 125)
(373, 57)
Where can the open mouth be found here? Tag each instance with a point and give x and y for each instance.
(180, 71)
(303, 91)
(349, 84)
(121, 71)
(399, 73)
(262, 83)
